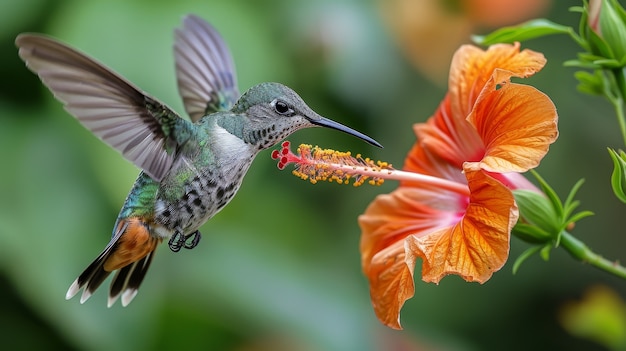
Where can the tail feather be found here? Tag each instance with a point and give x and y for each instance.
(130, 253)
(93, 276)
(127, 280)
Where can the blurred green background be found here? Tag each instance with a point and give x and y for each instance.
(279, 268)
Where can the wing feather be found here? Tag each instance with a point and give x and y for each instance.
(204, 68)
(115, 110)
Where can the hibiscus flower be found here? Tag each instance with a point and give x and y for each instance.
(485, 132)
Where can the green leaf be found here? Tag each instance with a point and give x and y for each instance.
(589, 83)
(528, 30)
(586, 89)
(531, 233)
(524, 256)
(618, 177)
(588, 78)
(580, 215)
(537, 210)
(613, 28)
(545, 252)
(590, 57)
(582, 26)
(581, 64)
(547, 213)
(620, 10)
(550, 193)
(571, 204)
(578, 9)
(609, 63)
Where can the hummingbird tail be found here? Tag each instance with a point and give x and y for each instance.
(130, 253)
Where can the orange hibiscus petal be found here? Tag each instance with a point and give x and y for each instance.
(428, 156)
(517, 124)
(476, 246)
(406, 211)
(390, 219)
(472, 67)
(452, 138)
(391, 284)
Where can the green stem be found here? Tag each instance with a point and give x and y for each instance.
(617, 97)
(620, 79)
(581, 252)
(618, 104)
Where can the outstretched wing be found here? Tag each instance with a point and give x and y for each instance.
(204, 68)
(143, 129)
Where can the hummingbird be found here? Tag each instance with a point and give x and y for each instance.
(190, 169)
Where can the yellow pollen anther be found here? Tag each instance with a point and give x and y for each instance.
(316, 164)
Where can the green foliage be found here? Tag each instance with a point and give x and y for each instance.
(618, 177)
(544, 218)
(529, 30)
(612, 30)
(599, 316)
(590, 83)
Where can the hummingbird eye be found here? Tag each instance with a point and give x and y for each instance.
(282, 108)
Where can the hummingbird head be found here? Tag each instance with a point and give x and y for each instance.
(276, 111)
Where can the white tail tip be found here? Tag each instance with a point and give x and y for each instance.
(85, 296)
(128, 296)
(73, 290)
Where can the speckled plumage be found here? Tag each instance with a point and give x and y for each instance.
(190, 169)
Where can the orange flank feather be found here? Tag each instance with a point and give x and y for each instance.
(130, 253)
(134, 244)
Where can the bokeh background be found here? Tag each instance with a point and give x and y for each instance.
(279, 268)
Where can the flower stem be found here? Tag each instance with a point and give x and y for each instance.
(618, 103)
(620, 80)
(617, 96)
(582, 252)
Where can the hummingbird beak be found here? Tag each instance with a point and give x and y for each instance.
(325, 122)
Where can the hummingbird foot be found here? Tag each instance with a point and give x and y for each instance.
(178, 241)
(192, 240)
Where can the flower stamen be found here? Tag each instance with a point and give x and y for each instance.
(316, 164)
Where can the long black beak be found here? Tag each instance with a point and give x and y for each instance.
(325, 122)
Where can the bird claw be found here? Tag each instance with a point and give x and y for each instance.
(192, 240)
(178, 241)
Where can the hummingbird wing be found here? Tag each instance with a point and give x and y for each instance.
(204, 68)
(143, 129)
